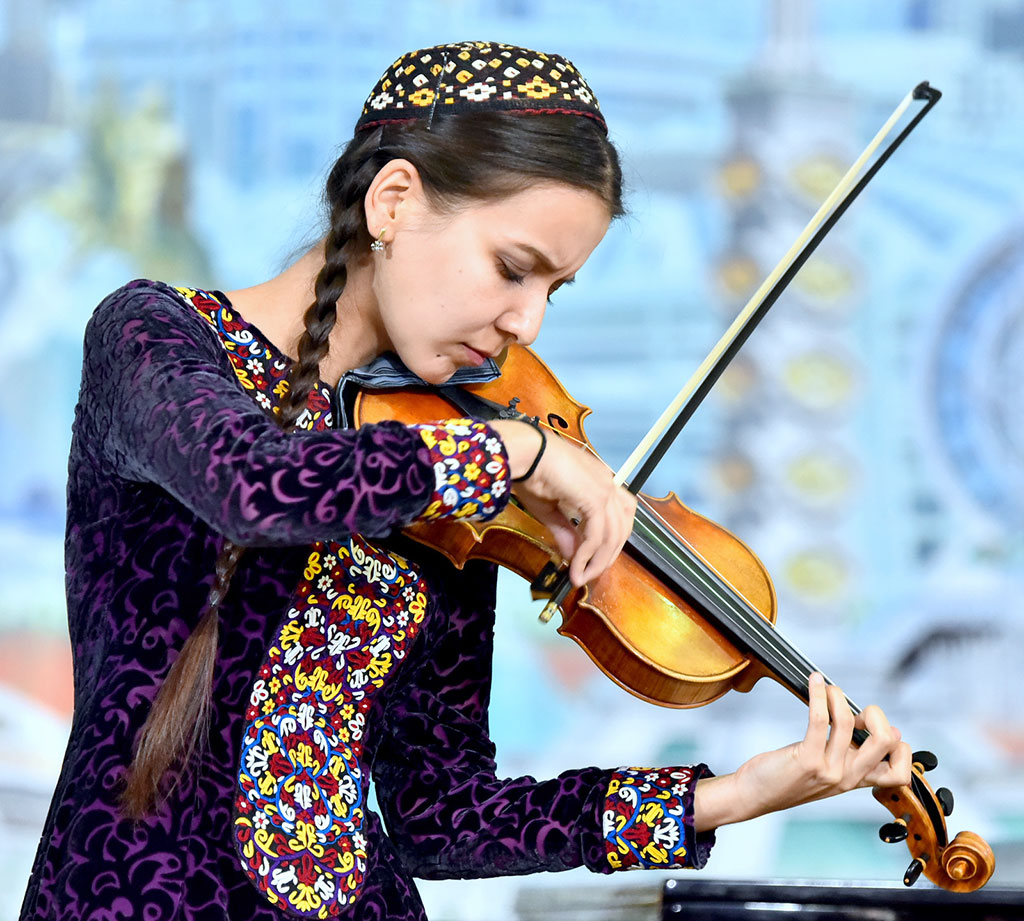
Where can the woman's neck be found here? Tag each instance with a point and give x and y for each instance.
(277, 307)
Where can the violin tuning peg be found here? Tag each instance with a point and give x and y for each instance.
(945, 797)
(893, 832)
(926, 761)
(913, 871)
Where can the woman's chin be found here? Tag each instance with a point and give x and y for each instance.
(435, 372)
(434, 376)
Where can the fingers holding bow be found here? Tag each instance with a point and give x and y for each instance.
(572, 493)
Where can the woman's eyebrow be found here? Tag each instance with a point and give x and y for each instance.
(543, 261)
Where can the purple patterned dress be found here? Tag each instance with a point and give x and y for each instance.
(339, 658)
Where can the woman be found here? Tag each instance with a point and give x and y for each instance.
(251, 640)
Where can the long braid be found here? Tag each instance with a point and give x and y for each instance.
(180, 714)
(179, 719)
(342, 239)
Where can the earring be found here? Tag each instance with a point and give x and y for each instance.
(377, 246)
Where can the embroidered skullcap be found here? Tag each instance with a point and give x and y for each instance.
(478, 76)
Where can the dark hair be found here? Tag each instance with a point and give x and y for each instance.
(477, 156)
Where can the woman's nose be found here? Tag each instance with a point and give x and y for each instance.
(524, 319)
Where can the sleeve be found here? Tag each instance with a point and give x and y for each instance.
(450, 816)
(471, 473)
(160, 403)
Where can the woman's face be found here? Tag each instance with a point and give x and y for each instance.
(453, 288)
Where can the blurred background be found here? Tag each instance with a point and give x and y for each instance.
(868, 443)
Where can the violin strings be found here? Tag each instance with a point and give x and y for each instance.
(747, 629)
(765, 640)
(745, 632)
(780, 654)
(749, 615)
(682, 539)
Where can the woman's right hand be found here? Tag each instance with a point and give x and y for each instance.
(570, 484)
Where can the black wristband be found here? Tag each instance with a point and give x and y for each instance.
(540, 451)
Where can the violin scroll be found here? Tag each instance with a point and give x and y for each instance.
(962, 865)
(968, 861)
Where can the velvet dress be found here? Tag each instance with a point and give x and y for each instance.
(341, 659)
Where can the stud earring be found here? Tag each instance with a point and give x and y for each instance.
(377, 246)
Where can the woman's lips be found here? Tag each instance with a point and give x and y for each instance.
(475, 358)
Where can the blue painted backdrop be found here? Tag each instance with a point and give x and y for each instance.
(867, 444)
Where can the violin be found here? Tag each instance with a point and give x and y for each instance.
(685, 614)
(687, 611)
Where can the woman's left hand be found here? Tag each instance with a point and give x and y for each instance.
(825, 762)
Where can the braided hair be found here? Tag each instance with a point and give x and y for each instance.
(462, 158)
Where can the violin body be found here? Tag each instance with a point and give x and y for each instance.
(641, 633)
(650, 634)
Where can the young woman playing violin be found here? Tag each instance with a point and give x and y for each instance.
(252, 643)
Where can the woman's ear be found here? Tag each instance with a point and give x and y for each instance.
(394, 197)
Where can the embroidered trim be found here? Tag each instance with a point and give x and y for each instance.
(300, 812)
(259, 368)
(648, 818)
(471, 470)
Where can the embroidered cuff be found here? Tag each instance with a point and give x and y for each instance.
(648, 819)
(470, 467)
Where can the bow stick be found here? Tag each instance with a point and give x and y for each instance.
(658, 440)
(679, 411)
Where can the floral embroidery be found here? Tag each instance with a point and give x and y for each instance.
(647, 815)
(471, 470)
(300, 813)
(259, 368)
